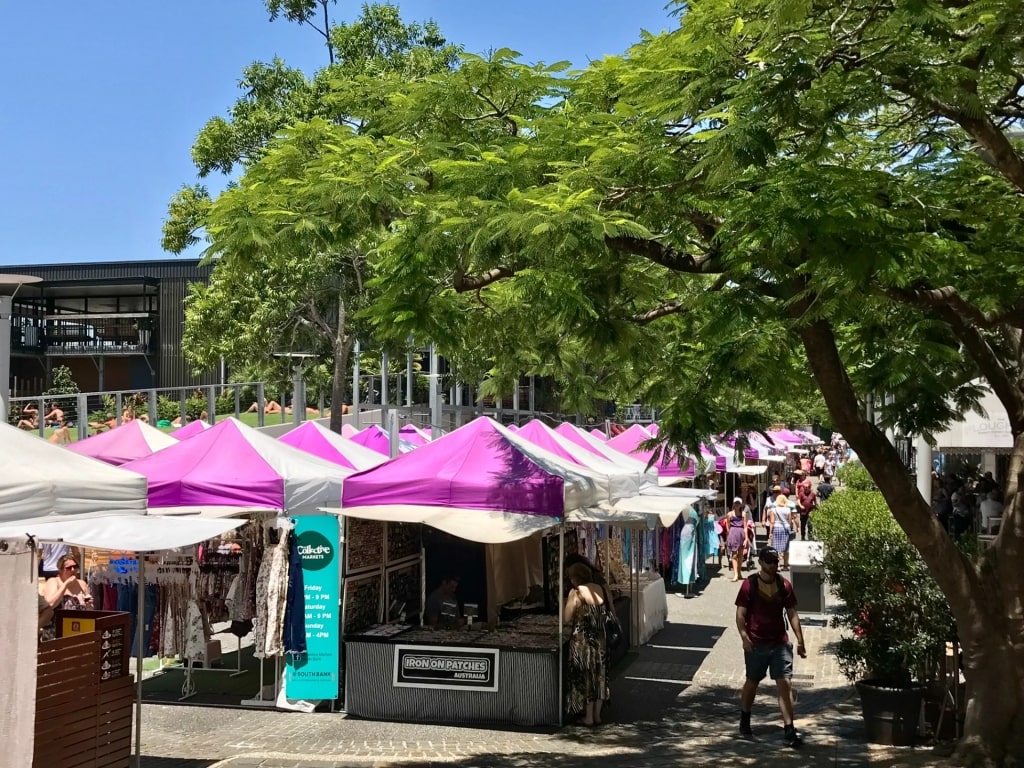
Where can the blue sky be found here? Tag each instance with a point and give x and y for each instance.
(103, 98)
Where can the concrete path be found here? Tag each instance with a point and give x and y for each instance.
(675, 702)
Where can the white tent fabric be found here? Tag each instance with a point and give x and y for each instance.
(42, 480)
(19, 638)
(977, 433)
(135, 533)
(748, 469)
(470, 524)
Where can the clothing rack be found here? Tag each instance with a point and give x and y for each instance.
(284, 524)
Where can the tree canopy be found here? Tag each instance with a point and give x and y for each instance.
(774, 197)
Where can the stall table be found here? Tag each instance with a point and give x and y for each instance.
(424, 675)
(653, 607)
(508, 675)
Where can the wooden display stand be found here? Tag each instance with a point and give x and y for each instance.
(84, 692)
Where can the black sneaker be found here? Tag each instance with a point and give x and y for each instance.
(746, 732)
(793, 739)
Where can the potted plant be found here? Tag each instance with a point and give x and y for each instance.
(897, 621)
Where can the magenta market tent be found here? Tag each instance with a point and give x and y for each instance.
(191, 429)
(413, 434)
(623, 482)
(316, 439)
(600, 447)
(376, 439)
(129, 441)
(347, 430)
(481, 482)
(629, 443)
(234, 465)
(599, 434)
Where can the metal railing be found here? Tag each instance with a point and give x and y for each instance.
(87, 334)
(90, 412)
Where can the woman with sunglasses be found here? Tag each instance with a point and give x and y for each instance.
(64, 591)
(67, 590)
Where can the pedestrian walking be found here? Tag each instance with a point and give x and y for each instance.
(763, 604)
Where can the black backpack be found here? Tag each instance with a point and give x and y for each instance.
(752, 589)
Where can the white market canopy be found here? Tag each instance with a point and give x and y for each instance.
(42, 481)
(978, 433)
(134, 533)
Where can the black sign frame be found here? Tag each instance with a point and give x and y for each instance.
(446, 668)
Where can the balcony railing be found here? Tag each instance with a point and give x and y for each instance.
(95, 334)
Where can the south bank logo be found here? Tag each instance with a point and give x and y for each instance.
(315, 550)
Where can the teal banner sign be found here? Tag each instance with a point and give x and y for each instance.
(315, 674)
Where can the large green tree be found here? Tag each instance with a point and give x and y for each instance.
(300, 293)
(773, 196)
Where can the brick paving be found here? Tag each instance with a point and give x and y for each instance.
(675, 702)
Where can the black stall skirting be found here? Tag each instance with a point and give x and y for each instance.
(527, 690)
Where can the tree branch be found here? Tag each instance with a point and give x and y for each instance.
(948, 296)
(673, 307)
(964, 318)
(667, 257)
(463, 282)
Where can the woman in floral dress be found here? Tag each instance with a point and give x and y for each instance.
(588, 667)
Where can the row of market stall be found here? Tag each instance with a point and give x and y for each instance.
(340, 607)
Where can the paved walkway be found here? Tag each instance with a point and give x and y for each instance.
(675, 702)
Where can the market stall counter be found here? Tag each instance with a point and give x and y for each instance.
(507, 675)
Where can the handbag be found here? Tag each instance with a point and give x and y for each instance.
(612, 629)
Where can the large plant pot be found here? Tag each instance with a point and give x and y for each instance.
(891, 711)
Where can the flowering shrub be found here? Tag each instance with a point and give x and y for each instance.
(897, 619)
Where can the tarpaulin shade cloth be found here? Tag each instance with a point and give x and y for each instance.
(43, 480)
(318, 440)
(235, 465)
(132, 440)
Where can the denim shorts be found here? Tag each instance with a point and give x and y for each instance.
(774, 657)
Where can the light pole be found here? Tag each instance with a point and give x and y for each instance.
(9, 285)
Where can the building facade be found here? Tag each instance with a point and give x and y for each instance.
(116, 325)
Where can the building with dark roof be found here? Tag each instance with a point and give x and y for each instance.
(117, 325)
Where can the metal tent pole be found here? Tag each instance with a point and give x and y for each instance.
(561, 623)
(139, 635)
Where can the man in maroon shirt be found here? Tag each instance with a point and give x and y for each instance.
(763, 601)
(806, 502)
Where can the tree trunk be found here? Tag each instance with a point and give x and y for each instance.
(985, 598)
(342, 344)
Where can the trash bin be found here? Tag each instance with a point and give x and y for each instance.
(808, 575)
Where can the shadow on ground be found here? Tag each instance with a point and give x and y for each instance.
(148, 761)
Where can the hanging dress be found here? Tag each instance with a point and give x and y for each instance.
(277, 595)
